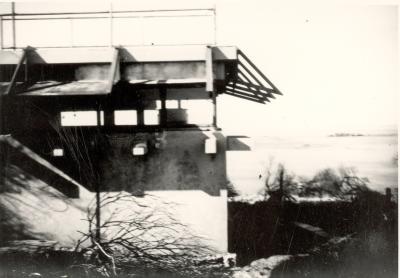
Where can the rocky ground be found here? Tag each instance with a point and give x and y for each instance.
(351, 256)
(371, 254)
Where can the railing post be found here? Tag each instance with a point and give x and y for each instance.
(14, 44)
(111, 25)
(1, 33)
(71, 29)
(215, 24)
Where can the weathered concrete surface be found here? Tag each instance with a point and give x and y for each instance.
(128, 54)
(163, 71)
(205, 216)
(176, 160)
(12, 151)
(170, 70)
(31, 209)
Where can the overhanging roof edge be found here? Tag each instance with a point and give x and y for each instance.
(76, 55)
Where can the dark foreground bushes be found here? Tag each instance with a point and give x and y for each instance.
(268, 228)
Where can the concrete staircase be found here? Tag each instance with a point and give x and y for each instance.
(14, 152)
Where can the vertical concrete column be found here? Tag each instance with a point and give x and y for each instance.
(140, 109)
(140, 116)
(98, 113)
(163, 111)
(14, 40)
(114, 75)
(210, 82)
(108, 111)
(214, 100)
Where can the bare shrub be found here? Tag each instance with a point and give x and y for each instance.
(342, 183)
(135, 234)
(278, 182)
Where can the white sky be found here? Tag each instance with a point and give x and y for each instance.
(337, 64)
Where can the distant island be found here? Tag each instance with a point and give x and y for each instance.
(344, 134)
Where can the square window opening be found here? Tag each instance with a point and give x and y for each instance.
(125, 117)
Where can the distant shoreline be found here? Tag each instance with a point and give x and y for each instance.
(334, 135)
(360, 134)
(344, 134)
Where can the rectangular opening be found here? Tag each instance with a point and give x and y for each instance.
(58, 152)
(158, 104)
(177, 116)
(79, 118)
(101, 118)
(172, 104)
(199, 111)
(151, 117)
(125, 117)
(210, 145)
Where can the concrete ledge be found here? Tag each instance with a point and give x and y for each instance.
(71, 55)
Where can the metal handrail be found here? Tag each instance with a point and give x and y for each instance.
(114, 12)
(107, 14)
(100, 17)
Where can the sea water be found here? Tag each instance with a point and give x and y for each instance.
(371, 156)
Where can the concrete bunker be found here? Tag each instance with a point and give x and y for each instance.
(130, 118)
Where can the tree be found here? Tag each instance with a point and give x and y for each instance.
(137, 234)
(341, 183)
(278, 182)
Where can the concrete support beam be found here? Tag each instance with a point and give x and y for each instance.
(210, 82)
(15, 74)
(163, 111)
(209, 70)
(139, 54)
(114, 70)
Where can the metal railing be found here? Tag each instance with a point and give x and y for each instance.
(10, 30)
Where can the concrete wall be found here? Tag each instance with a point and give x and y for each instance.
(176, 160)
(30, 208)
(189, 183)
(205, 215)
(163, 71)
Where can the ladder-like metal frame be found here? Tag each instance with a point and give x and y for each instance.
(250, 83)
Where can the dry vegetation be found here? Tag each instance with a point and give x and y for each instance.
(136, 235)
